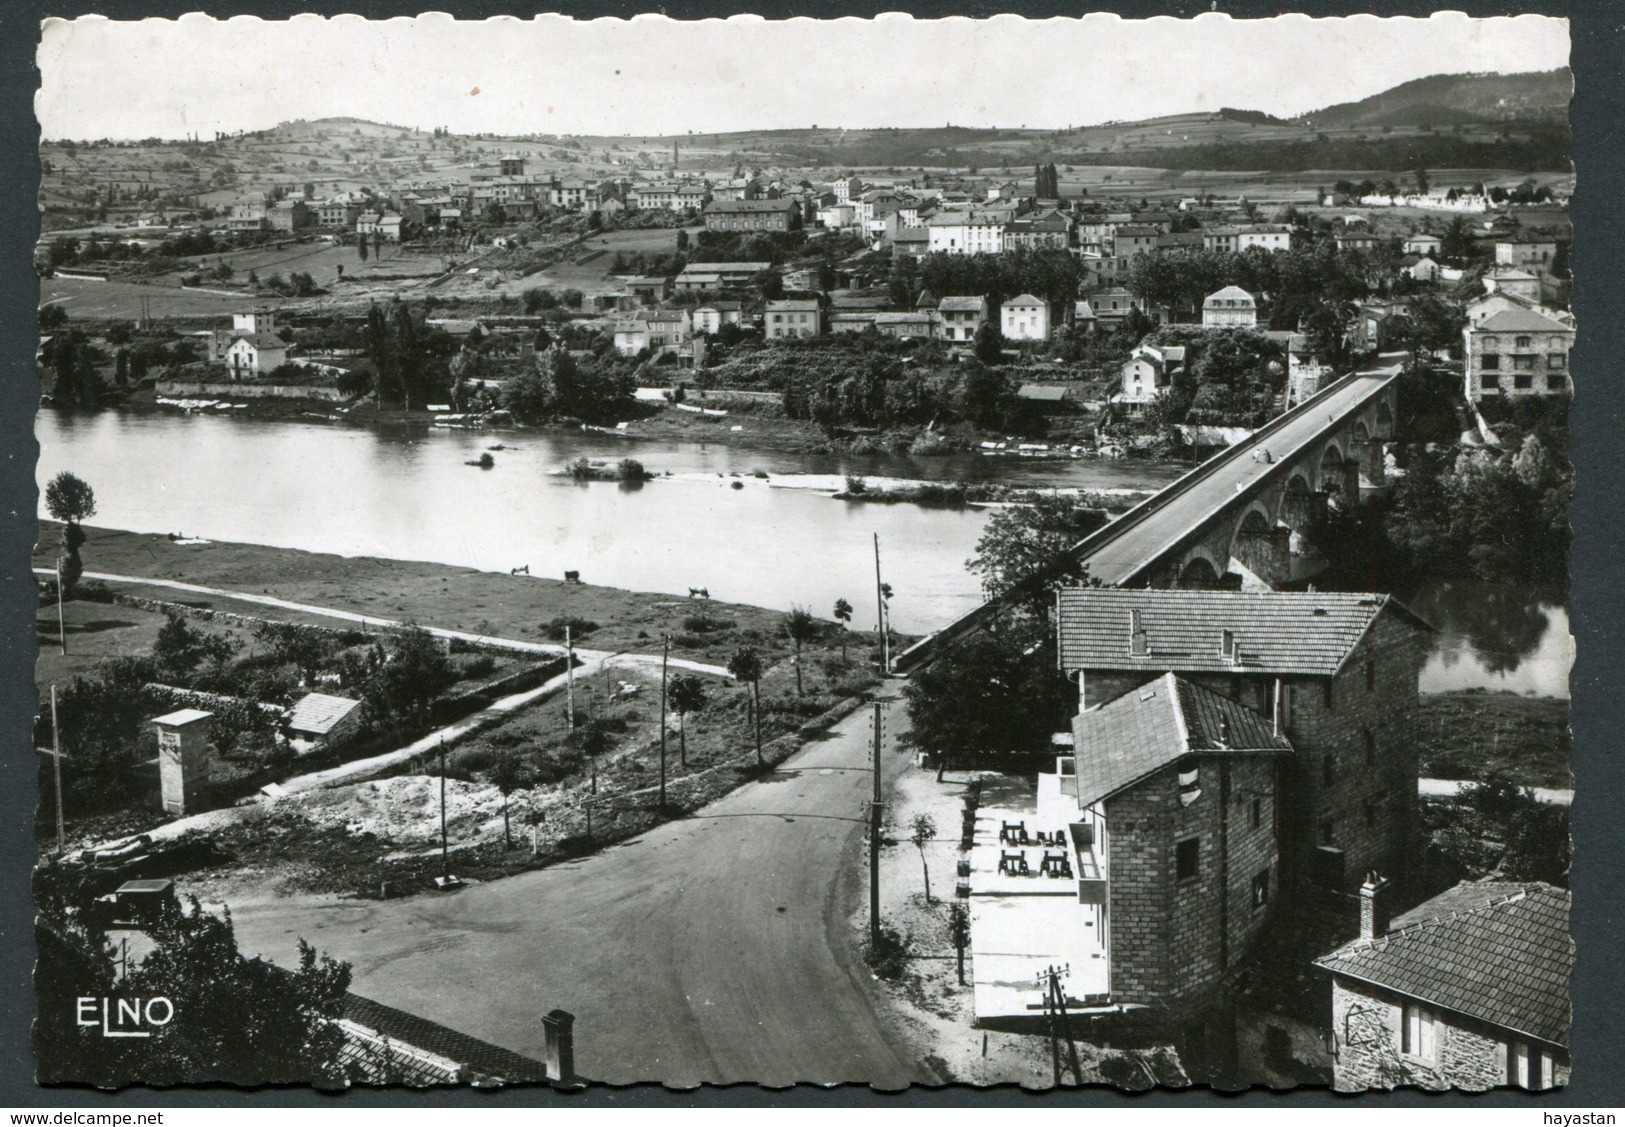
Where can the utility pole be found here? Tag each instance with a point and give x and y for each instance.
(61, 623)
(665, 651)
(56, 771)
(445, 850)
(880, 610)
(875, 806)
(569, 679)
(1060, 1023)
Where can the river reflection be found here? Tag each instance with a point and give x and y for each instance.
(1494, 636)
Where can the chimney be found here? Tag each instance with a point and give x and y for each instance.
(1138, 644)
(1373, 906)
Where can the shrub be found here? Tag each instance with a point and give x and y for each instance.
(579, 628)
(481, 666)
(580, 469)
(630, 469)
(93, 591)
(856, 486)
(705, 624)
(887, 955)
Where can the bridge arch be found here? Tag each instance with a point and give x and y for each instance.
(1385, 421)
(1199, 573)
(1329, 473)
(1361, 443)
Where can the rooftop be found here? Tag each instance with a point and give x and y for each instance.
(317, 713)
(182, 716)
(1146, 729)
(1520, 321)
(1493, 950)
(1310, 633)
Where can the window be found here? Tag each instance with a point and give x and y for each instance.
(1523, 363)
(1487, 381)
(1186, 854)
(1261, 889)
(1417, 1032)
(1525, 342)
(1528, 1067)
(1489, 361)
(1257, 818)
(1523, 382)
(1556, 383)
(1557, 360)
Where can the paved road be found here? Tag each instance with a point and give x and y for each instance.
(712, 949)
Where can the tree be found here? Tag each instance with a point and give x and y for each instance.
(993, 695)
(508, 774)
(1022, 550)
(843, 615)
(1422, 182)
(70, 500)
(682, 240)
(923, 829)
(687, 694)
(236, 1020)
(361, 247)
(983, 395)
(989, 344)
(959, 933)
(415, 673)
(801, 627)
(746, 666)
(179, 649)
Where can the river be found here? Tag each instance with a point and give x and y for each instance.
(778, 542)
(406, 494)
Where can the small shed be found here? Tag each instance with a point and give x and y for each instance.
(318, 720)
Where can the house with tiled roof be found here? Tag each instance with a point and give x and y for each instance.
(793, 317)
(1467, 990)
(1230, 308)
(1024, 317)
(384, 1045)
(1336, 672)
(1514, 354)
(1169, 803)
(1147, 373)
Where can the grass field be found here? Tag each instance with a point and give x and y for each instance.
(1467, 735)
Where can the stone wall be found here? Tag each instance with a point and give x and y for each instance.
(1366, 1039)
(1170, 940)
(191, 389)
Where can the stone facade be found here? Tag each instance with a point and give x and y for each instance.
(1352, 784)
(1369, 1049)
(1171, 937)
(1516, 363)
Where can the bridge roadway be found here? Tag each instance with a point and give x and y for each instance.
(1121, 551)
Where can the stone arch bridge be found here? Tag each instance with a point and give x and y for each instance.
(1245, 517)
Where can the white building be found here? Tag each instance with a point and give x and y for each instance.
(1229, 308)
(1148, 372)
(964, 232)
(1025, 317)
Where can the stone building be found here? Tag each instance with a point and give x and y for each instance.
(1169, 800)
(1336, 672)
(793, 317)
(1516, 353)
(1467, 990)
(753, 215)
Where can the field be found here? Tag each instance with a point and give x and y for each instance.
(1468, 735)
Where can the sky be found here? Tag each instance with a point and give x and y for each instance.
(653, 75)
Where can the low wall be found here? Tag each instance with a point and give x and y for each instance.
(190, 389)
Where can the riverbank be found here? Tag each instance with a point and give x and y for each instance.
(525, 607)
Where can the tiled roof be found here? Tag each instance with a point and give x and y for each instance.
(962, 304)
(1023, 299)
(318, 712)
(749, 207)
(1229, 293)
(792, 306)
(1275, 631)
(1159, 723)
(1493, 950)
(1521, 321)
(261, 340)
(484, 1060)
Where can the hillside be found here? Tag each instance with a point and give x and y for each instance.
(1452, 99)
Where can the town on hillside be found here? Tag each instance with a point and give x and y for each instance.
(1047, 607)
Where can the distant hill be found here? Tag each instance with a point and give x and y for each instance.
(1457, 99)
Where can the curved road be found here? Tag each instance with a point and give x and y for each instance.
(713, 949)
